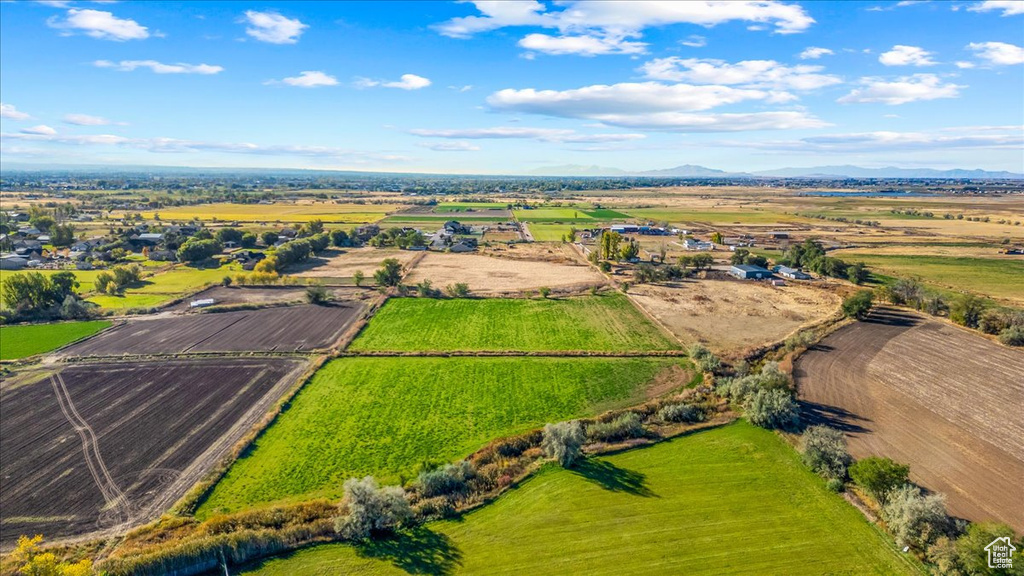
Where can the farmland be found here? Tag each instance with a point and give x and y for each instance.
(279, 212)
(337, 264)
(384, 416)
(165, 286)
(80, 452)
(596, 323)
(287, 329)
(731, 500)
(21, 341)
(487, 275)
(731, 316)
(937, 397)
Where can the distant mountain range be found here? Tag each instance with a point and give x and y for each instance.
(692, 171)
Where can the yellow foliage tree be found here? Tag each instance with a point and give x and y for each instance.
(34, 562)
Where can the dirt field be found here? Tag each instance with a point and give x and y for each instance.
(227, 296)
(488, 275)
(732, 315)
(343, 264)
(294, 328)
(109, 446)
(943, 400)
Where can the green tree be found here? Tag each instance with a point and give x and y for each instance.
(248, 240)
(268, 238)
(357, 277)
(879, 476)
(629, 250)
(389, 274)
(62, 235)
(967, 310)
(859, 304)
(564, 442)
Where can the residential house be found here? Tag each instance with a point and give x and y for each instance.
(455, 227)
(698, 245)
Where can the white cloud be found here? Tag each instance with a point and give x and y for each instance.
(522, 132)
(159, 67)
(814, 52)
(99, 24)
(465, 88)
(1008, 7)
(273, 28)
(964, 65)
(654, 106)
(10, 112)
(87, 120)
(963, 137)
(998, 53)
(590, 28)
(307, 79)
(457, 146)
(583, 45)
(694, 41)
(175, 145)
(750, 73)
(906, 56)
(903, 90)
(42, 130)
(407, 82)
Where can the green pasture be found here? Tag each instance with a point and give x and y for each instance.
(27, 340)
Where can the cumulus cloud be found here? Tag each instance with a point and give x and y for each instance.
(750, 73)
(307, 79)
(273, 28)
(906, 56)
(99, 24)
(591, 28)
(814, 52)
(11, 112)
(1007, 7)
(522, 132)
(407, 82)
(902, 90)
(654, 106)
(87, 120)
(42, 130)
(998, 53)
(457, 146)
(159, 67)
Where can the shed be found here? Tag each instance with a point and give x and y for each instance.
(749, 272)
(792, 273)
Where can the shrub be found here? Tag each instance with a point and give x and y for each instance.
(879, 476)
(425, 290)
(773, 409)
(564, 442)
(825, 451)
(771, 377)
(915, 519)
(457, 290)
(448, 480)
(372, 509)
(390, 273)
(544, 291)
(357, 277)
(835, 484)
(1012, 336)
(859, 304)
(625, 426)
(967, 310)
(680, 413)
(317, 294)
(704, 359)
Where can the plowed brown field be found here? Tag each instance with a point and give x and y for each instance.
(945, 401)
(109, 446)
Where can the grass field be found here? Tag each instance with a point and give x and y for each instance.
(464, 206)
(384, 416)
(85, 277)
(549, 232)
(278, 212)
(597, 323)
(21, 341)
(1000, 279)
(553, 215)
(165, 286)
(732, 500)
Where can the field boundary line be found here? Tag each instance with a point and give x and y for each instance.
(513, 354)
(654, 319)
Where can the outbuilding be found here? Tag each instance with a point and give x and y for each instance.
(750, 272)
(792, 273)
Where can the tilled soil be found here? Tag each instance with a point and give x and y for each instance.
(945, 401)
(97, 447)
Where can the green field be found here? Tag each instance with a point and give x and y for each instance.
(593, 323)
(568, 215)
(677, 216)
(1000, 279)
(85, 277)
(469, 206)
(21, 341)
(550, 232)
(384, 416)
(165, 286)
(278, 212)
(732, 500)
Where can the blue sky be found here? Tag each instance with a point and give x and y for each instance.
(509, 87)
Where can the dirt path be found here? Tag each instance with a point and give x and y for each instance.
(934, 396)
